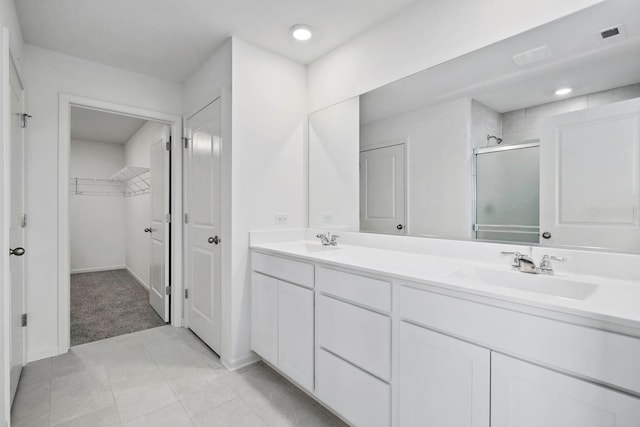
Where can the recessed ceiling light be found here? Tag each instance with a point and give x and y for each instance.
(301, 32)
(564, 91)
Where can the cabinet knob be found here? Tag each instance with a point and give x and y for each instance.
(399, 226)
(546, 235)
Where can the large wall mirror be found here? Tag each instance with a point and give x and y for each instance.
(489, 146)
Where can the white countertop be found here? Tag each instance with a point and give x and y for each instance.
(614, 305)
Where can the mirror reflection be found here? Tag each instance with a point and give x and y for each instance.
(534, 139)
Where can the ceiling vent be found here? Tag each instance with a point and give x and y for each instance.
(612, 34)
(534, 55)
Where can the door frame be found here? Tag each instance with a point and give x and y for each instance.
(65, 102)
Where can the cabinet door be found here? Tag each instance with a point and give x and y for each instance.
(264, 317)
(526, 395)
(295, 332)
(442, 381)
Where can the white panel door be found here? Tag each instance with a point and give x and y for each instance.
(159, 274)
(295, 333)
(442, 381)
(590, 178)
(382, 190)
(16, 230)
(264, 317)
(526, 395)
(203, 251)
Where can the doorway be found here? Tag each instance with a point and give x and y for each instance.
(118, 232)
(170, 275)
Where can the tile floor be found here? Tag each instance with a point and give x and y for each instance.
(158, 377)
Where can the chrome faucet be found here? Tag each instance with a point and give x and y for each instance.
(328, 239)
(525, 263)
(545, 264)
(522, 262)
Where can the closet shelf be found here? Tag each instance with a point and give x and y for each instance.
(128, 181)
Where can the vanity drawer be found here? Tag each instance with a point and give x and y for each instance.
(359, 397)
(360, 336)
(591, 353)
(288, 270)
(363, 290)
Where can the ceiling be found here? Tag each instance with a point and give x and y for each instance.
(95, 125)
(171, 39)
(580, 59)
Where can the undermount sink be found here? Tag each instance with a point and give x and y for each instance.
(538, 283)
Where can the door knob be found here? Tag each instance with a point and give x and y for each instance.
(399, 226)
(546, 235)
(147, 230)
(215, 240)
(16, 251)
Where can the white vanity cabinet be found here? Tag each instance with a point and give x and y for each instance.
(354, 346)
(282, 312)
(523, 394)
(442, 381)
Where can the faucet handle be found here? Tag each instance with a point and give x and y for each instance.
(545, 264)
(517, 256)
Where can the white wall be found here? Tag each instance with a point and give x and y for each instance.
(269, 139)
(48, 74)
(137, 209)
(438, 165)
(421, 36)
(334, 174)
(96, 223)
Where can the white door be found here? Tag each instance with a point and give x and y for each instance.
(203, 252)
(295, 333)
(382, 190)
(16, 230)
(159, 274)
(590, 178)
(442, 381)
(526, 395)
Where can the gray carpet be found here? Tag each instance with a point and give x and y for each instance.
(108, 303)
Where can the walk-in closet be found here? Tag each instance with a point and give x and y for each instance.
(111, 195)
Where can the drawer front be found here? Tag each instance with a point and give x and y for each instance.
(599, 355)
(360, 398)
(358, 335)
(288, 270)
(352, 287)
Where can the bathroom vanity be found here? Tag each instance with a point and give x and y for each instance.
(391, 334)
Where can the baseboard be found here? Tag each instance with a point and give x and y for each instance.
(138, 279)
(43, 354)
(96, 269)
(240, 362)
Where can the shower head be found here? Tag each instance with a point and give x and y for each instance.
(498, 140)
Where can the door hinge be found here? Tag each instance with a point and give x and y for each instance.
(186, 293)
(186, 218)
(167, 290)
(23, 319)
(23, 220)
(22, 119)
(168, 218)
(186, 142)
(168, 145)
